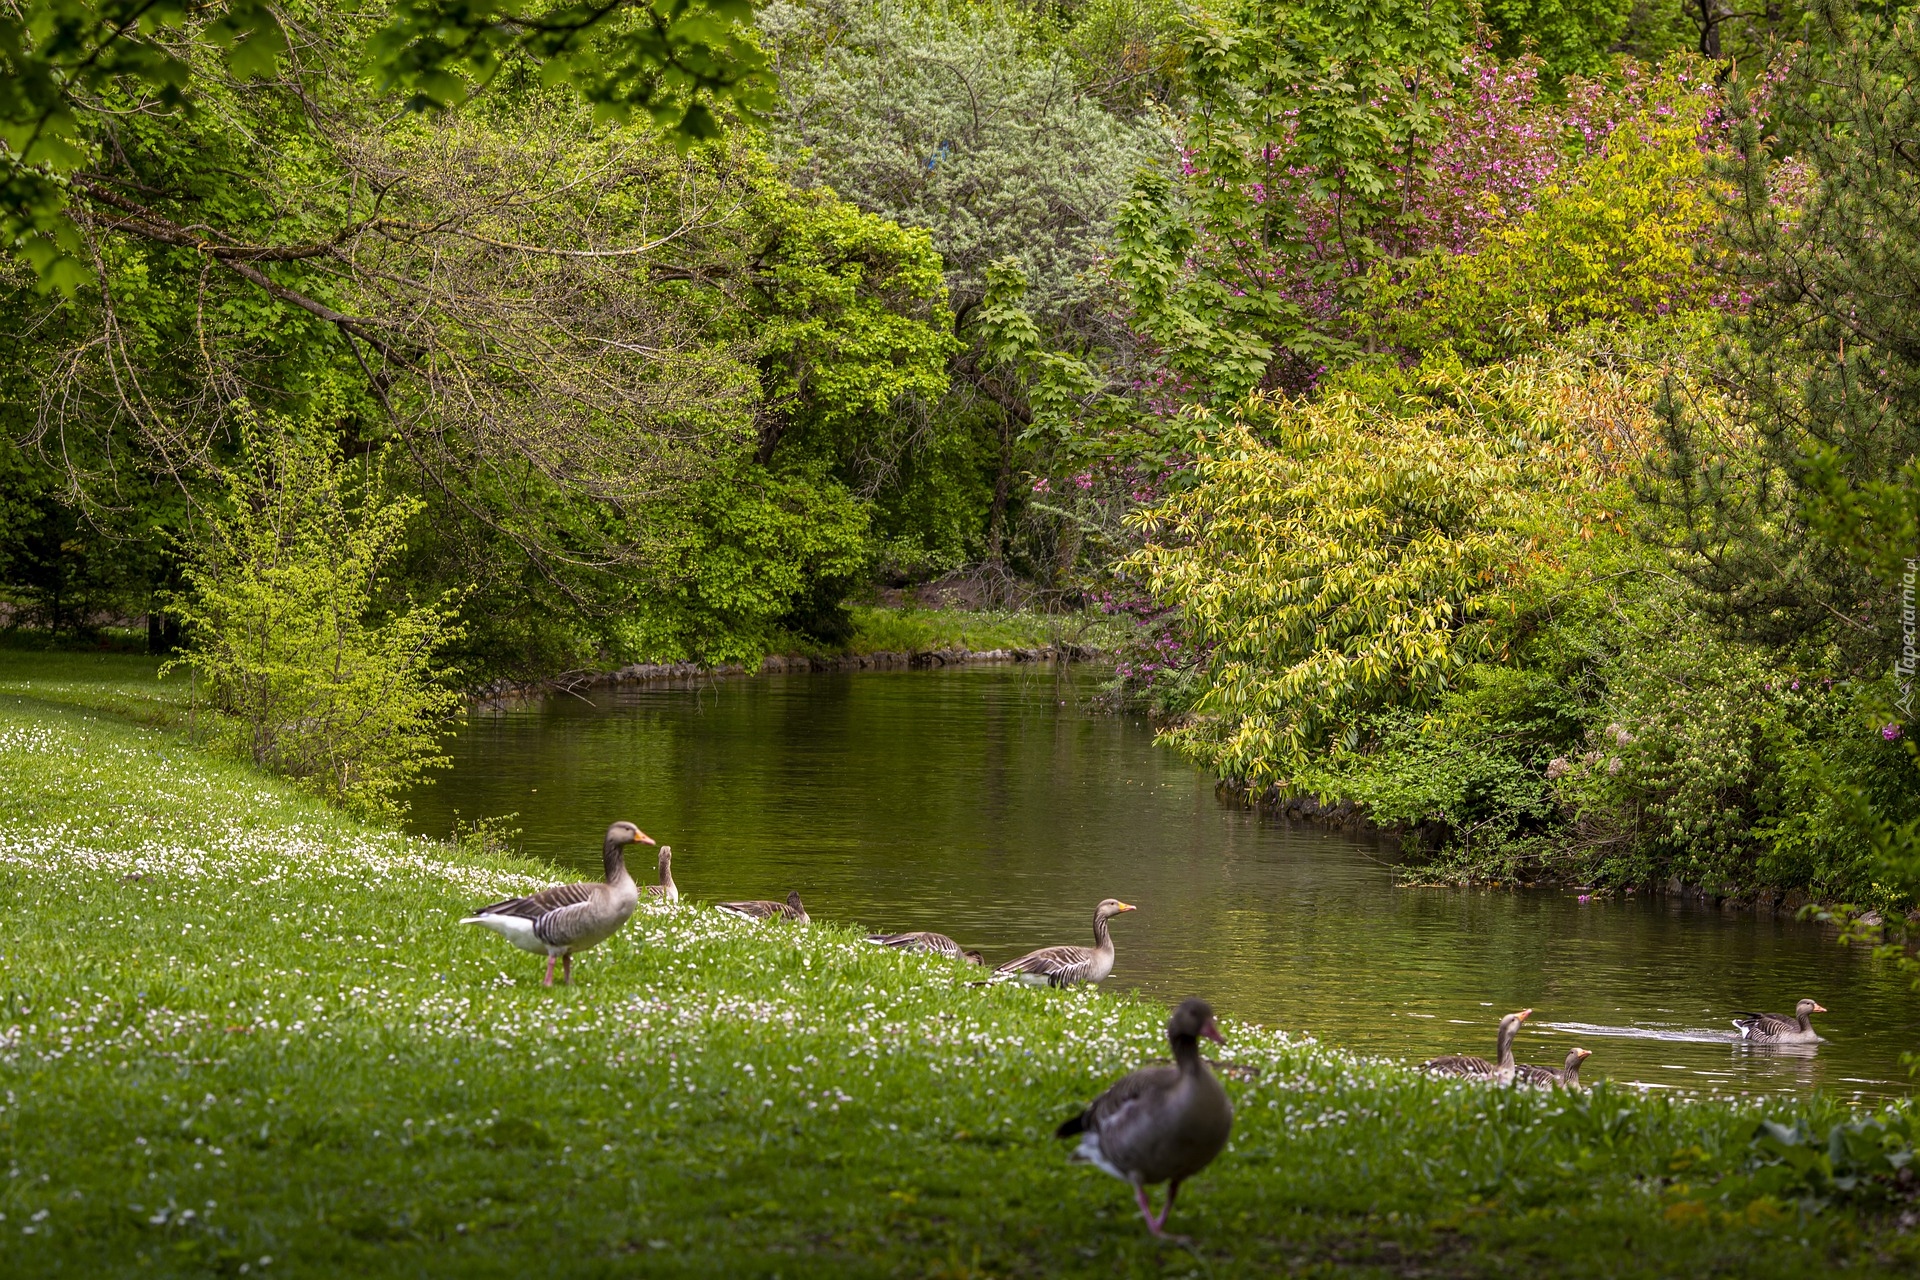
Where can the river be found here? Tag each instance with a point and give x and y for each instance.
(999, 804)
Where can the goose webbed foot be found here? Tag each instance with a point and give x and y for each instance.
(1156, 1223)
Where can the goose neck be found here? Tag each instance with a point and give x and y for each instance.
(1186, 1053)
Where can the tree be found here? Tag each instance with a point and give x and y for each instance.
(65, 65)
(1796, 527)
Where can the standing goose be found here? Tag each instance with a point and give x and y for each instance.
(1771, 1028)
(761, 909)
(666, 890)
(928, 943)
(569, 918)
(1160, 1124)
(1499, 1071)
(1064, 966)
(1567, 1077)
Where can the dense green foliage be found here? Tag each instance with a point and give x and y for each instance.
(245, 1030)
(282, 588)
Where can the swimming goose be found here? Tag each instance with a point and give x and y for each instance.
(666, 890)
(1160, 1124)
(569, 918)
(1771, 1028)
(760, 909)
(1567, 1077)
(1064, 966)
(928, 943)
(1499, 1071)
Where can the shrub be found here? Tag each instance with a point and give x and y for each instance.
(308, 675)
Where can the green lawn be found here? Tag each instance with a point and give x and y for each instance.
(238, 1026)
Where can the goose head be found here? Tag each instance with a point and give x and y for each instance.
(793, 900)
(624, 833)
(1577, 1056)
(1806, 1007)
(1193, 1019)
(973, 957)
(1111, 907)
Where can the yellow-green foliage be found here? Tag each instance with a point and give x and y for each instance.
(285, 625)
(1613, 239)
(1341, 555)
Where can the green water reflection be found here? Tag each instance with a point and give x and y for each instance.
(991, 804)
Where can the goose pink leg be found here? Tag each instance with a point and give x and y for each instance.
(549, 978)
(566, 962)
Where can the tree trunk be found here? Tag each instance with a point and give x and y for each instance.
(1002, 484)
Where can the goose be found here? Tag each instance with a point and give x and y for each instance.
(666, 891)
(1499, 1071)
(928, 943)
(1567, 1077)
(569, 918)
(1162, 1123)
(1771, 1028)
(1064, 966)
(761, 909)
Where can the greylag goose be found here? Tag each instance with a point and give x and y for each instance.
(666, 890)
(569, 918)
(1771, 1028)
(761, 909)
(1500, 1071)
(1567, 1077)
(1160, 1124)
(1064, 966)
(928, 943)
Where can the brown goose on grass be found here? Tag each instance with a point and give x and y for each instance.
(569, 918)
(761, 909)
(1771, 1028)
(1065, 966)
(1499, 1071)
(1160, 1124)
(926, 942)
(1567, 1077)
(666, 890)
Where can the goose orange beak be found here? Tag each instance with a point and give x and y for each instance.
(1524, 1014)
(641, 837)
(1819, 1008)
(1128, 906)
(1212, 1032)
(1585, 1054)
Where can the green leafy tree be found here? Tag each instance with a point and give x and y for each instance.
(67, 68)
(310, 671)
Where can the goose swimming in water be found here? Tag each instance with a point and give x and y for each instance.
(1499, 1071)
(926, 942)
(569, 918)
(761, 909)
(1771, 1028)
(1065, 966)
(1162, 1123)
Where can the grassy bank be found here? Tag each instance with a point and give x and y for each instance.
(236, 1026)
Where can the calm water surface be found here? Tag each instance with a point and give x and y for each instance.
(994, 805)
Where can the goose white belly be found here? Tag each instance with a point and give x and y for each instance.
(518, 930)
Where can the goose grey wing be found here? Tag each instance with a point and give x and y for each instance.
(1063, 964)
(1457, 1064)
(1540, 1077)
(1770, 1023)
(569, 924)
(535, 905)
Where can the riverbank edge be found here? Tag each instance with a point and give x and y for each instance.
(671, 673)
(1345, 815)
